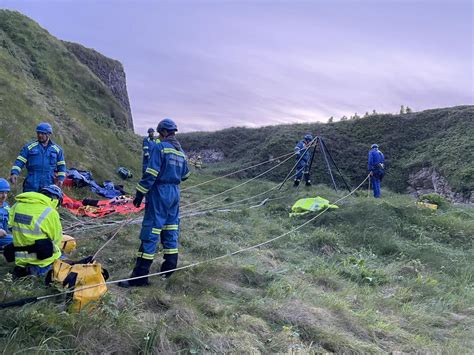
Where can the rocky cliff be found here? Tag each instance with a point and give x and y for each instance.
(110, 72)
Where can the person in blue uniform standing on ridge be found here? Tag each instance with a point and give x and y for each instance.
(166, 169)
(148, 143)
(376, 168)
(42, 159)
(5, 235)
(303, 157)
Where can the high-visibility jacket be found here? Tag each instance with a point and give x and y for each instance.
(34, 217)
(41, 163)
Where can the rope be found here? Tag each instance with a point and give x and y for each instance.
(236, 172)
(123, 224)
(242, 184)
(208, 260)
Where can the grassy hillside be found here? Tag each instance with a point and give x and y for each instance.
(440, 138)
(41, 80)
(372, 276)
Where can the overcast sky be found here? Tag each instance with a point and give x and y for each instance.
(216, 64)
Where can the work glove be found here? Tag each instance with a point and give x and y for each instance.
(13, 178)
(137, 201)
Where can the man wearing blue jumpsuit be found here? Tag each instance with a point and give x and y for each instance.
(42, 158)
(148, 143)
(376, 168)
(160, 184)
(5, 236)
(303, 157)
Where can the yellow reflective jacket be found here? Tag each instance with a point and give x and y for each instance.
(33, 217)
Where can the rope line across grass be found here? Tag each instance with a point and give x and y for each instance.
(208, 260)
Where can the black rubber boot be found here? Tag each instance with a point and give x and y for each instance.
(170, 263)
(142, 267)
(296, 183)
(308, 183)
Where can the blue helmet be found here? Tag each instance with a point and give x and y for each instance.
(374, 146)
(53, 191)
(44, 127)
(308, 138)
(150, 130)
(167, 124)
(4, 185)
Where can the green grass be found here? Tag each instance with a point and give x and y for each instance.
(372, 276)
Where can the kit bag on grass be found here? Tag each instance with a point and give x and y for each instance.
(78, 275)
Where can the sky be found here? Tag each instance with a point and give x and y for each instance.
(216, 64)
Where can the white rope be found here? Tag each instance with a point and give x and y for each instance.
(208, 260)
(236, 172)
(239, 185)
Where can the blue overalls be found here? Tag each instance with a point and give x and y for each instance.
(148, 144)
(41, 163)
(4, 215)
(160, 182)
(303, 163)
(376, 167)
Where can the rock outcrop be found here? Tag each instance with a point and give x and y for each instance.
(428, 180)
(110, 72)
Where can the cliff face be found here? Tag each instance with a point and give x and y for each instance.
(45, 79)
(110, 72)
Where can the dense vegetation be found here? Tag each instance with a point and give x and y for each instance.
(41, 80)
(440, 138)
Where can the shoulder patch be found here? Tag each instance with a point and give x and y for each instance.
(23, 218)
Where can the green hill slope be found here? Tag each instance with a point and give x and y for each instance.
(440, 139)
(42, 80)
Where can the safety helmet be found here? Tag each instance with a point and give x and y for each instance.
(308, 138)
(44, 127)
(53, 191)
(150, 130)
(167, 124)
(374, 146)
(4, 185)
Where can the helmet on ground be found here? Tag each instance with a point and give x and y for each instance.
(150, 130)
(167, 124)
(308, 138)
(374, 146)
(4, 185)
(53, 191)
(44, 127)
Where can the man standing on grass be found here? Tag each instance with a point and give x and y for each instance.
(376, 168)
(42, 158)
(160, 184)
(303, 157)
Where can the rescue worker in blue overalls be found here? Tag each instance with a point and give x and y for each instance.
(303, 157)
(376, 168)
(160, 185)
(148, 143)
(5, 236)
(42, 158)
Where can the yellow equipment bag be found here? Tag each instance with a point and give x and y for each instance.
(79, 275)
(68, 244)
